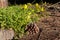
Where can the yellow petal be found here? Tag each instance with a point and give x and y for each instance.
(37, 4)
(42, 9)
(29, 13)
(25, 6)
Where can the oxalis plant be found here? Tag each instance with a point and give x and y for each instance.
(17, 17)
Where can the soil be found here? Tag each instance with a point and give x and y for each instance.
(47, 28)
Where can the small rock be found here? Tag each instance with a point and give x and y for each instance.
(6, 34)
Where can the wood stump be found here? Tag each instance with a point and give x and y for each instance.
(3, 3)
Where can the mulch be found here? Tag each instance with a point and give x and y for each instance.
(47, 28)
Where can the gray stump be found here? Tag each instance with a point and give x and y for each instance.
(6, 34)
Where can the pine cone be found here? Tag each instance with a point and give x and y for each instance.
(32, 28)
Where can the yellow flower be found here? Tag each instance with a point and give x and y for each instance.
(42, 8)
(29, 13)
(45, 3)
(25, 6)
(28, 17)
(37, 5)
